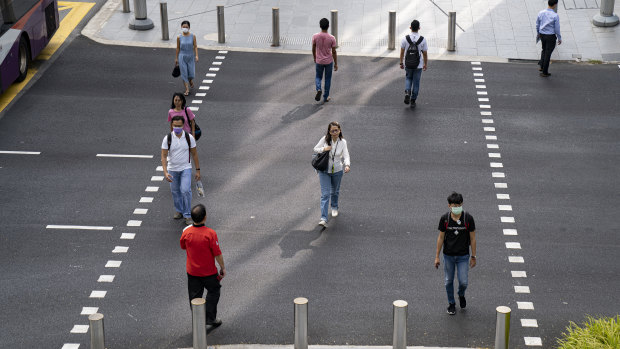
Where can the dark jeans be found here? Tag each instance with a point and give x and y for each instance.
(548, 45)
(196, 286)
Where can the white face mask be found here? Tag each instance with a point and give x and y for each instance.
(185, 30)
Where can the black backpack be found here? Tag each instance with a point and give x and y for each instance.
(412, 56)
(189, 144)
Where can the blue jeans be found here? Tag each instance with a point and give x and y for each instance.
(330, 187)
(462, 267)
(412, 77)
(327, 68)
(181, 187)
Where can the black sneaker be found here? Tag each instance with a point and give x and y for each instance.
(462, 302)
(407, 98)
(318, 95)
(214, 323)
(451, 308)
(545, 75)
(412, 105)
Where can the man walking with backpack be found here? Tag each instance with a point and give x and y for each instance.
(413, 50)
(177, 150)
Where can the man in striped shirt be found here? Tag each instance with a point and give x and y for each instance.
(548, 29)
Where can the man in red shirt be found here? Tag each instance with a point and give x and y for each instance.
(202, 248)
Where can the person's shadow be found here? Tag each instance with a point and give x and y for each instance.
(301, 112)
(298, 240)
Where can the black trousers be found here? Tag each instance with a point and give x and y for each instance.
(195, 288)
(548, 45)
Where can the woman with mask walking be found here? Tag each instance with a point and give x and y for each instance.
(339, 163)
(179, 108)
(187, 56)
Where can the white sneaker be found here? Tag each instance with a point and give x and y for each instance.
(323, 223)
(334, 212)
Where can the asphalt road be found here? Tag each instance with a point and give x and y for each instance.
(557, 139)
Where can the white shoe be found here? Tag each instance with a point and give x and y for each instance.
(323, 223)
(334, 212)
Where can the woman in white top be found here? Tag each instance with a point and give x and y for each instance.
(339, 163)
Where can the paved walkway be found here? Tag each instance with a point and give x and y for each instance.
(491, 30)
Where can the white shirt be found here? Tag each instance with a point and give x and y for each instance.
(336, 159)
(423, 47)
(178, 155)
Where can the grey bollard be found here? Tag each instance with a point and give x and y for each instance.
(221, 35)
(392, 31)
(275, 26)
(400, 324)
(334, 25)
(301, 323)
(199, 324)
(451, 31)
(140, 21)
(502, 328)
(163, 10)
(126, 8)
(97, 338)
(606, 17)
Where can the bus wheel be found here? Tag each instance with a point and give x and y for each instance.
(24, 59)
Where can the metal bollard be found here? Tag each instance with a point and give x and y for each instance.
(400, 324)
(163, 10)
(97, 337)
(126, 8)
(606, 17)
(221, 35)
(301, 323)
(199, 323)
(451, 31)
(334, 25)
(140, 22)
(275, 26)
(392, 31)
(502, 327)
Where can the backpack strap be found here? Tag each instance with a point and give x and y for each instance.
(408, 39)
(189, 147)
(189, 122)
(419, 40)
(169, 140)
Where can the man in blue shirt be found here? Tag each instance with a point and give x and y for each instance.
(548, 29)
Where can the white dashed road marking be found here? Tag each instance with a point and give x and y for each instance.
(106, 278)
(79, 329)
(113, 264)
(516, 259)
(20, 152)
(98, 294)
(89, 310)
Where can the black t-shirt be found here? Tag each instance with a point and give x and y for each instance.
(456, 237)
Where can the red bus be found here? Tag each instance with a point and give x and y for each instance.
(27, 27)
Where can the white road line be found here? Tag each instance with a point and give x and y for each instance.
(516, 259)
(210, 75)
(481, 86)
(500, 185)
(478, 80)
(525, 305)
(476, 68)
(495, 155)
(70, 346)
(200, 94)
(483, 99)
(194, 108)
(77, 227)
(486, 113)
(487, 121)
(496, 165)
(113, 264)
(513, 245)
(220, 57)
(203, 88)
(79, 329)
(224, 52)
(151, 189)
(159, 169)
(196, 101)
(98, 294)
(216, 63)
(89, 310)
(134, 223)
(503, 196)
(533, 341)
(478, 74)
(485, 106)
(146, 199)
(490, 137)
(489, 129)
(20, 152)
(128, 236)
(120, 249)
(518, 274)
(510, 231)
(482, 93)
(207, 81)
(105, 278)
(529, 323)
(522, 289)
(475, 63)
(157, 178)
(492, 146)
(140, 211)
(504, 207)
(507, 219)
(125, 156)
(498, 175)
(214, 69)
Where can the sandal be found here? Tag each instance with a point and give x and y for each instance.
(186, 93)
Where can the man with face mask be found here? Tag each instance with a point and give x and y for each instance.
(457, 232)
(177, 150)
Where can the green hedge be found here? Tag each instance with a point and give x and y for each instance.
(601, 333)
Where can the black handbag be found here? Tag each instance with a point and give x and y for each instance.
(176, 72)
(197, 130)
(321, 161)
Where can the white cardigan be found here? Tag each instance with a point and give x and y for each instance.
(340, 158)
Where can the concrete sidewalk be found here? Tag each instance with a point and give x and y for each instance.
(490, 30)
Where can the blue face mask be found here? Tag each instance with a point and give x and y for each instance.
(178, 130)
(457, 210)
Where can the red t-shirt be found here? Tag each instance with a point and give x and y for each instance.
(201, 245)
